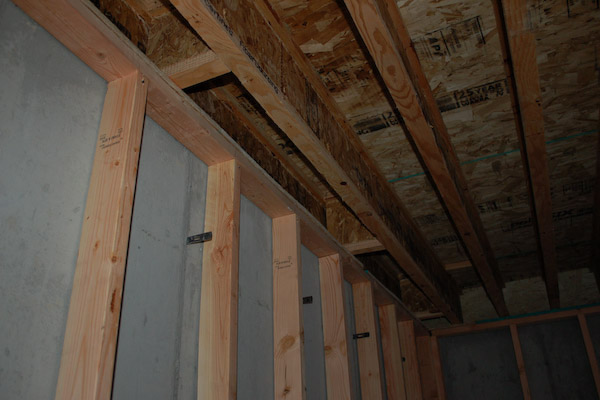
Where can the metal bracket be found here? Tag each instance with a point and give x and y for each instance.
(201, 238)
(307, 300)
(361, 335)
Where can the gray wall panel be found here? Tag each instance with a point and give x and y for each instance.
(255, 308)
(480, 366)
(50, 109)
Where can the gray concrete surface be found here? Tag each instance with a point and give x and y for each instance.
(50, 108)
(480, 366)
(149, 346)
(255, 308)
(556, 361)
(314, 356)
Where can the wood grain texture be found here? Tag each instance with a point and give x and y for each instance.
(368, 348)
(334, 328)
(288, 335)
(437, 368)
(196, 69)
(591, 352)
(596, 222)
(408, 346)
(520, 362)
(428, 379)
(520, 49)
(280, 78)
(217, 340)
(89, 348)
(392, 355)
(382, 29)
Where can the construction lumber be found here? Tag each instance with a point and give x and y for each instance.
(382, 29)
(518, 45)
(426, 372)
(437, 368)
(88, 355)
(392, 355)
(335, 344)
(596, 221)
(80, 27)
(274, 70)
(368, 346)
(520, 362)
(196, 69)
(217, 341)
(288, 340)
(408, 346)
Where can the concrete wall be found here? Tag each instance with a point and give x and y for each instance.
(556, 361)
(50, 108)
(316, 386)
(480, 366)
(255, 308)
(171, 186)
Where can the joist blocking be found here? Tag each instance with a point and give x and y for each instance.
(288, 336)
(316, 128)
(335, 344)
(217, 342)
(89, 348)
(196, 69)
(368, 347)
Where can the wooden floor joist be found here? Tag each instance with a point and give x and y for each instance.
(217, 342)
(518, 45)
(382, 29)
(296, 99)
(88, 356)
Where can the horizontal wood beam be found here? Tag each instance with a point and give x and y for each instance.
(90, 344)
(518, 45)
(382, 29)
(80, 27)
(196, 69)
(296, 99)
(364, 246)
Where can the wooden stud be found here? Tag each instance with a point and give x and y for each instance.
(520, 362)
(197, 69)
(217, 343)
(88, 355)
(288, 335)
(294, 96)
(428, 379)
(589, 347)
(392, 355)
(519, 47)
(437, 368)
(596, 221)
(334, 328)
(382, 29)
(368, 347)
(408, 346)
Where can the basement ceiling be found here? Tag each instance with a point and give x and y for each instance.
(459, 45)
